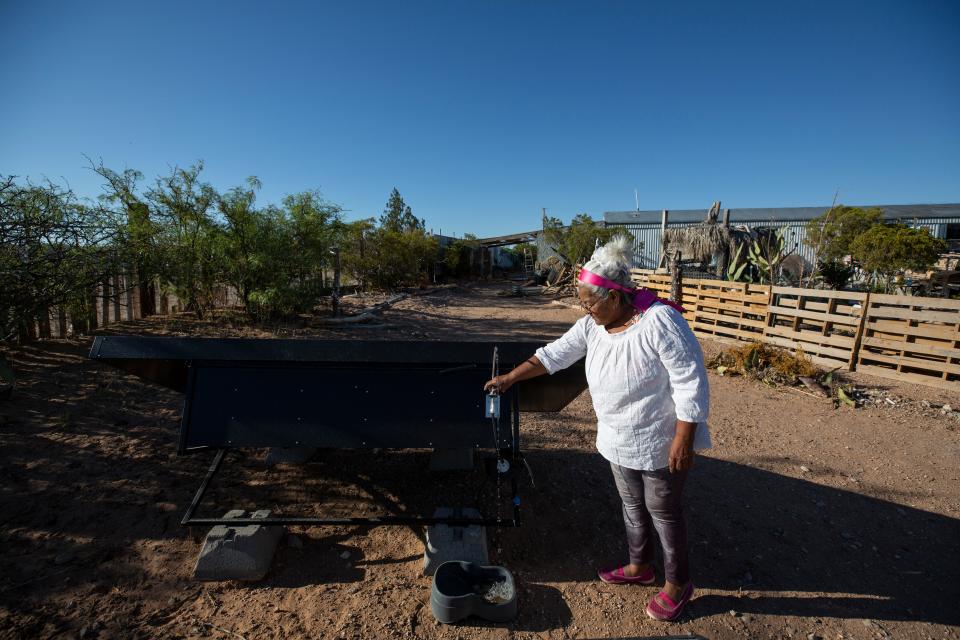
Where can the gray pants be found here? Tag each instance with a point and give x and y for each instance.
(652, 500)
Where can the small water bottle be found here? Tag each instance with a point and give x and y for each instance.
(492, 406)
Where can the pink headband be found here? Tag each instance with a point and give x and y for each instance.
(642, 298)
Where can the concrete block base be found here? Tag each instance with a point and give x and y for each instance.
(238, 553)
(445, 543)
(451, 460)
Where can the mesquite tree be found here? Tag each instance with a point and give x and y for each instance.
(187, 236)
(54, 250)
(137, 248)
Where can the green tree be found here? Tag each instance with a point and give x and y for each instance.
(187, 236)
(356, 255)
(384, 258)
(275, 290)
(314, 224)
(575, 243)
(398, 216)
(276, 256)
(459, 256)
(53, 252)
(243, 239)
(137, 249)
(889, 250)
(832, 234)
(402, 258)
(518, 250)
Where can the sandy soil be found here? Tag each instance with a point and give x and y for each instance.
(805, 520)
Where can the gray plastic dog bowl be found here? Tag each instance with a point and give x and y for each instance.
(463, 589)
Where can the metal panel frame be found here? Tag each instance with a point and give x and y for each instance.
(165, 360)
(512, 454)
(174, 363)
(337, 419)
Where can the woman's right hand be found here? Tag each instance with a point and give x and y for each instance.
(529, 368)
(500, 383)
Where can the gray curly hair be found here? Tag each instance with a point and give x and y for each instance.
(612, 261)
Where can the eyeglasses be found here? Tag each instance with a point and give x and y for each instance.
(589, 308)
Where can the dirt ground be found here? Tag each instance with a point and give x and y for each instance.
(805, 520)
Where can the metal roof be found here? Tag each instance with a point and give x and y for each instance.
(771, 214)
(513, 238)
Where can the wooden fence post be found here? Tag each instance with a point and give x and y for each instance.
(147, 295)
(663, 234)
(858, 337)
(117, 288)
(723, 260)
(91, 320)
(25, 332)
(105, 301)
(676, 279)
(43, 324)
(132, 297)
(771, 298)
(766, 315)
(163, 298)
(335, 298)
(945, 291)
(62, 321)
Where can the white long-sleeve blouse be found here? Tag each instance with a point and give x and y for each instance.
(642, 380)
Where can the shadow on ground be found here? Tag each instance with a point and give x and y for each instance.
(758, 530)
(91, 491)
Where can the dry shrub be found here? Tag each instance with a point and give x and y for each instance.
(766, 363)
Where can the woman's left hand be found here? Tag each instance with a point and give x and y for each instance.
(681, 454)
(681, 451)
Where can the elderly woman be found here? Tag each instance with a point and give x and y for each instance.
(650, 393)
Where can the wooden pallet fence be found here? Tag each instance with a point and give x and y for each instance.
(656, 282)
(825, 324)
(912, 338)
(660, 284)
(900, 337)
(727, 311)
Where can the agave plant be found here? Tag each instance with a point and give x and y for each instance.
(767, 253)
(738, 269)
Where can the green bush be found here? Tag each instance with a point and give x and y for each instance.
(382, 259)
(401, 258)
(832, 234)
(889, 250)
(835, 274)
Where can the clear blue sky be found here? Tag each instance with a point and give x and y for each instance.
(483, 112)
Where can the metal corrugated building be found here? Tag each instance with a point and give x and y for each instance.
(645, 225)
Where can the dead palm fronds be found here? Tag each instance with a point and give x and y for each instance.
(699, 243)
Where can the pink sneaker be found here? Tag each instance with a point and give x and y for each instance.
(672, 610)
(616, 576)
